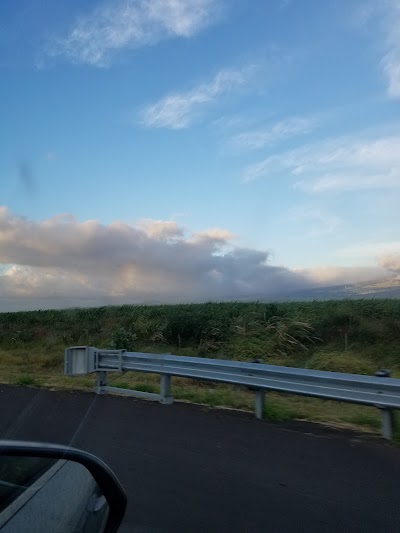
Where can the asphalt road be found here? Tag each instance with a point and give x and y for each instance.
(192, 469)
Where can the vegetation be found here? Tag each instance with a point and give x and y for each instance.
(356, 336)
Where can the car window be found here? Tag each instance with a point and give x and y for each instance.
(18, 474)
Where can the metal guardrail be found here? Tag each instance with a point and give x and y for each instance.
(379, 391)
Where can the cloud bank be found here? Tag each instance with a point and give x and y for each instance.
(69, 263)
(96, 37)
(61, 262)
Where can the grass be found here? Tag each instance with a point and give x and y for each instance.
(368, 419)
(299, 334)
(349, 362)
(27, 381)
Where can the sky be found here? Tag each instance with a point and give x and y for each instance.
(188, 150)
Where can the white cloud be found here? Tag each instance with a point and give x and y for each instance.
(390, 62)
(391, 70)
(339, 164)
(384, 17)
(115, 25)
(177, 110)
(284, 129)
(160, 229)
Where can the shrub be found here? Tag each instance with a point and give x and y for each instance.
(123, 340)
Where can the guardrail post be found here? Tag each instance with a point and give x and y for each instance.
(260, 401)
(101, 381)
(165, 389)
(386, 414)
(260, 396)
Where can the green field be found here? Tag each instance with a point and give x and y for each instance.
(356, 336)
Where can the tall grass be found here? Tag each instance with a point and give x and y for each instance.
(239, 329)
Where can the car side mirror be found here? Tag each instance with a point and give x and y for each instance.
(48, 487)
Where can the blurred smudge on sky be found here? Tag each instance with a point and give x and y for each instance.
(26, 177)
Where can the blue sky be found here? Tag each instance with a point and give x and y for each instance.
(266, 130)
